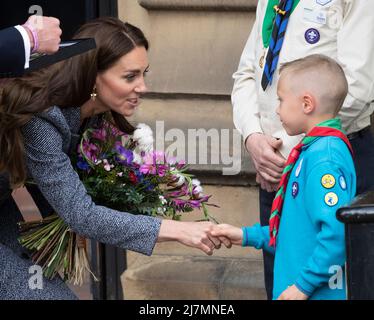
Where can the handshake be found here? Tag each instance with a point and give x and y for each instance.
(205, 236)
(222, 233)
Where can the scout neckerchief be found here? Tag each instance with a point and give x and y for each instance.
(330, 127)
(268, 24)
(282, 14)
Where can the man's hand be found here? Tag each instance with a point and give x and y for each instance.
(48, 31)
(269, 187)
(292, 293)
(268, 162)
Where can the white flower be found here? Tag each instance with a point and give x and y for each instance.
(196, 182)
(198, 190)
(143, 130)
(163, 200)
(181, 180)
(120, 174)
(137, 158)
(143, 135)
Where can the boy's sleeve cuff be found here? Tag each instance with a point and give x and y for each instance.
(252, 236)
(244, 241)
(304, 286)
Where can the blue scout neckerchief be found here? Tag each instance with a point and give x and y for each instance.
(282, 13)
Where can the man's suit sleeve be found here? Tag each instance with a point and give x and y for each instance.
(12, 53)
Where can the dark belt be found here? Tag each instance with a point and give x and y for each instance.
(358, 134)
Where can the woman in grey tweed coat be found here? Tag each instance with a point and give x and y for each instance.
(36, 140)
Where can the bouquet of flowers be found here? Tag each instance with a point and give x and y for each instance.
(121, 172)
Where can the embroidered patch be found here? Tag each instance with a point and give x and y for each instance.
(298, 169)
(323, 2)
(312, 36)
(331, 199)
(342, 183)
(295, 189)
(328, 181)
(316, 16)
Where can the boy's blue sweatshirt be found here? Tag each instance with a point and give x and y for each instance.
(310, 251)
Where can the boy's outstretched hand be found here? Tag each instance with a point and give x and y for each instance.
(292, 293)
(234, 234)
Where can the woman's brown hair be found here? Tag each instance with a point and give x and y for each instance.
(66, 84)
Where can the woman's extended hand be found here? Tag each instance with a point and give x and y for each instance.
(192, 234)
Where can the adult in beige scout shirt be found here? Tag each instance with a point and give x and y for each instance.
(341, 29)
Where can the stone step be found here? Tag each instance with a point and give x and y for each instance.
(166, 277)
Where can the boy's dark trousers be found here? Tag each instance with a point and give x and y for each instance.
(363, 147)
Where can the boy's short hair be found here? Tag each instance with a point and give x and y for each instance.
(324, 76)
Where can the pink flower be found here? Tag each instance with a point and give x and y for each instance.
(107, 166)
(154, 163)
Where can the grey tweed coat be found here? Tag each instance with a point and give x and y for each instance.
(49, 139)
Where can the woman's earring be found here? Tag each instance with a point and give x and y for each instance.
(94, 94)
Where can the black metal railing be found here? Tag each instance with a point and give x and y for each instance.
(108, 264)
(359, 236)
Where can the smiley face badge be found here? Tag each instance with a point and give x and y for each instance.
(328, 181)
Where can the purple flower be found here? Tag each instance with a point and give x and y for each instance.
(179, 203)
(154, 169)
(90, 151)
(180, 164)
(124, 156)
(99, 134)
(82, 164)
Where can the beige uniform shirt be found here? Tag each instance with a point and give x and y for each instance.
(346, 33)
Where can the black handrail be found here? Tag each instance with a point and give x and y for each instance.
(359, 236)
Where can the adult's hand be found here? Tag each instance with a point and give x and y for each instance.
(48, 33)
(265, 185)
(268, 162)
(192, 234)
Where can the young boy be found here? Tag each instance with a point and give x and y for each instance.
(319, 177)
